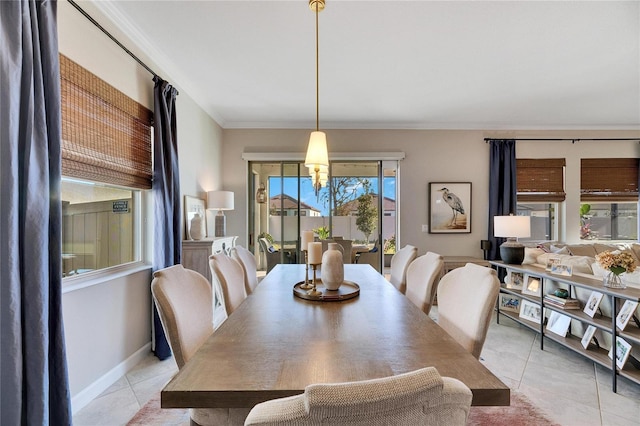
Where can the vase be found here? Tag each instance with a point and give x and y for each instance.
(613, 280)
(332, 267)
(196, 230)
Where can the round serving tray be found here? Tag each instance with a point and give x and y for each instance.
(347, 290)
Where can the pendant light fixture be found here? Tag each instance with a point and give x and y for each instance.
(317, 159)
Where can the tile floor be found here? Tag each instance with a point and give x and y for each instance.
(568, 388)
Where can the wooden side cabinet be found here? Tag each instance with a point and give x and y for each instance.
(195, 253)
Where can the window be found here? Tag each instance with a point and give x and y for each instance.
(106, 163)
(98, 226)
(540, 188)
(609, 199)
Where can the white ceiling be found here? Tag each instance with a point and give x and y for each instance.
(398, 64)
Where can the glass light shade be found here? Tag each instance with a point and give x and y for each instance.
(220, 200)
(511, 226)
(317, 154)
(322, 170)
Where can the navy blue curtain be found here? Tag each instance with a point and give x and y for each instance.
(166, 195)
(33, 366)
(502, 187)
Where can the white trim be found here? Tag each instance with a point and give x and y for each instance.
(102, 276)
(88, 394)
(333, 156)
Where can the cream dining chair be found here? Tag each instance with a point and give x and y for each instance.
(399, 264)
(420, 397)
(184, 301)
(247, 260)
(422, 280)
(229, 276)
(466, 298)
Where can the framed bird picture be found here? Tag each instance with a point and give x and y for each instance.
(449, 207)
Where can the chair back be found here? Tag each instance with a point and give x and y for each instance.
(264, 244)
(229, 275)
(184, 301)
(419, 397)
(399, 264)
(466, 298)
(249, 267)
(422, 280)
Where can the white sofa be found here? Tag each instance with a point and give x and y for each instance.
(582, 258)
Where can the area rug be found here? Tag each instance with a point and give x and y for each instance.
(521, 412)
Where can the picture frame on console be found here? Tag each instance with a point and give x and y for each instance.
(449, 207)
(509, 302)
(532, 285)
(514, 280)
(530, 311)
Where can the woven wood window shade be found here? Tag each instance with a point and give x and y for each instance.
(540, 179)
(106, 136)
(609, 179)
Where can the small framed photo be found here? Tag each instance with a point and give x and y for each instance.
(509, 302)
(587, 336)
(530, 311)
(558, 323)
(514, 280)
(623, 348)
(449, 207)
(552, 260)
(562, 269)
(592, 304)
(625, 314)
(532, 285)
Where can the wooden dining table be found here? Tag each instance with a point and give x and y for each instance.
(275, 343)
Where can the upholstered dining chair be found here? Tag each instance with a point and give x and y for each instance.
(184, 301)
(247, 260)
(399, 264)
(420, 397)
(422, 280)
(228, 274)
(466, 298)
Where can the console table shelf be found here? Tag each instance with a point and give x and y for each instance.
(605, 323)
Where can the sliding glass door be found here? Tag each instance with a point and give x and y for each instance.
(347, 208)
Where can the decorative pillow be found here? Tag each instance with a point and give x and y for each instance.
(272, 249)
(578, 263)
(531, 255)
(600, 248)
(582, 250)
(559, 250)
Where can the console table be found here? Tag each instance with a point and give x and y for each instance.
(577, 286)
(195, 253)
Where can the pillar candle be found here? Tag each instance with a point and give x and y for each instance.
(315, 253)
(306, 237)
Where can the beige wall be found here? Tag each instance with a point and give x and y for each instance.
(108, 322)
(431, 156)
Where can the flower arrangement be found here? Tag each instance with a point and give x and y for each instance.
(617, 262)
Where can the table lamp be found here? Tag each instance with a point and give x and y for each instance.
(512, 227)
(220, 200)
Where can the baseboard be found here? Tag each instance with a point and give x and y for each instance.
(88, 394)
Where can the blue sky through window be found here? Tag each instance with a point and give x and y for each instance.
(307, 195)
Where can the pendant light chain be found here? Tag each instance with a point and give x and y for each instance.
(317, 73)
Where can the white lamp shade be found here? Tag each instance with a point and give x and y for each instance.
(317, 150)
(511, 226)
(220, 200)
